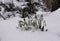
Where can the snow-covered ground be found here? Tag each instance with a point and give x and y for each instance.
(9, 32)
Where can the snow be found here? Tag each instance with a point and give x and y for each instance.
(9, 32)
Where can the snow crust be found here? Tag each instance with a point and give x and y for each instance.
(9, 32)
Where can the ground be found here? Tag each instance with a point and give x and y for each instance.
(9, 32)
